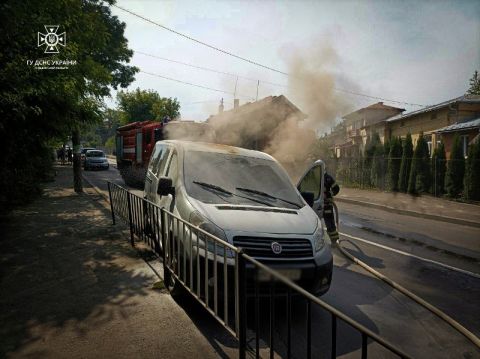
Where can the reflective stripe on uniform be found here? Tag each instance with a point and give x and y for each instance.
(333, 235)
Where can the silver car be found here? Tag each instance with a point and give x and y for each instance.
(246, 198)
(95, 159)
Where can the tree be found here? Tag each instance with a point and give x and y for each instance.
(386, 146)
(455, 169)
(394, 161)
(377, 169)
(419, 179)
(439, 168)
(110, 145)
(371, 161)
(407, 154)
(472, 173)
(146, 105)
(474, 88)
(53, 104)
(166, 108)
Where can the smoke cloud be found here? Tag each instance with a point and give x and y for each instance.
(273, 126)
(312, 82)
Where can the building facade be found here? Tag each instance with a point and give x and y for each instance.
(430, 119)
(468, 131)
(362, 124)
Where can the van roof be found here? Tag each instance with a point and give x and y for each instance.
(219, 148)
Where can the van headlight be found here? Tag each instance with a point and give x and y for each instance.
(318, 240)
(200, 221)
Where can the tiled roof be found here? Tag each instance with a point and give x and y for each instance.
(261, 104)
(464, 99)
(375, 106)
(461, 126)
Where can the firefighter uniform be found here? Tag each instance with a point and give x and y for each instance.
(331, 190)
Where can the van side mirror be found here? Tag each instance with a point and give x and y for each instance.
(309, 197)
(165, 186)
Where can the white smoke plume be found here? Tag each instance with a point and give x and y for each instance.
(276, 129)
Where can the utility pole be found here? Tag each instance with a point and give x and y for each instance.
(235, 91)
(258, 84)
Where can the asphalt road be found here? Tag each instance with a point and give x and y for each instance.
(372, 302)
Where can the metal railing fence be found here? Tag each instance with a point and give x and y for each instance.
(219, 276)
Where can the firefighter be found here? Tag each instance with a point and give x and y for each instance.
(331, 189)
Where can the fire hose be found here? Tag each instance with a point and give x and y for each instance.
(460, 328)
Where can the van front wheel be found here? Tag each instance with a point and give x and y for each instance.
(174, 287)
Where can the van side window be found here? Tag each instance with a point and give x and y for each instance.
(155, 157)
(162, 162)
(173, 168)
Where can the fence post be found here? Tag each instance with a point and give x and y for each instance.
(111, 203)
(132, 240)
(242, 306)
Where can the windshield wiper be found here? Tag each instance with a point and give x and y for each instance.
(267, 195)
(223, 190)
(213, 186)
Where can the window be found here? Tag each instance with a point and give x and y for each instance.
(464, 141)
(428, 139)
(236, 173)
(162, 161)
(155, 158)
(148, 136)
(402, 123)
(433, 116)
(172, 171)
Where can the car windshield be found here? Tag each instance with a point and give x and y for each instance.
(84, 150)
(95, 154)
(228, 178)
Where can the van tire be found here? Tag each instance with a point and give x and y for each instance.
(174, 287)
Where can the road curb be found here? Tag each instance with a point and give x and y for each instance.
(96, 189)
(434, 217)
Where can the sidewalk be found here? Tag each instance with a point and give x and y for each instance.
(421, 206)
(71, 286)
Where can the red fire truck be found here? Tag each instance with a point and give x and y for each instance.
(134, 145)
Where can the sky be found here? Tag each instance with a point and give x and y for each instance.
(420, 52)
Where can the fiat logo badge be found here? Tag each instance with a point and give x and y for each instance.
(276, 247)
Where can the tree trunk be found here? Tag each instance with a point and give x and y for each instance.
(77, 165)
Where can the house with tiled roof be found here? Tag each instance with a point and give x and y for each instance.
(361, 124)
(430, 119)
(252, 124)
(436, 122)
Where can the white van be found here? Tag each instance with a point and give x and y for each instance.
(246, 198)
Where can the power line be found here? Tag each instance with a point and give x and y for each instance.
(247, 60)
(379, 98)
(201, 42)
(191, 84)
(267, 82)
(208, 69)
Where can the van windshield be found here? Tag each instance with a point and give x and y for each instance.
(213, 177)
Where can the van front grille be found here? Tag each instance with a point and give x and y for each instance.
(262, 247)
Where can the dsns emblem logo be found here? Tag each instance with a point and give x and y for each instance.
(51, 39)
(276, 248)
